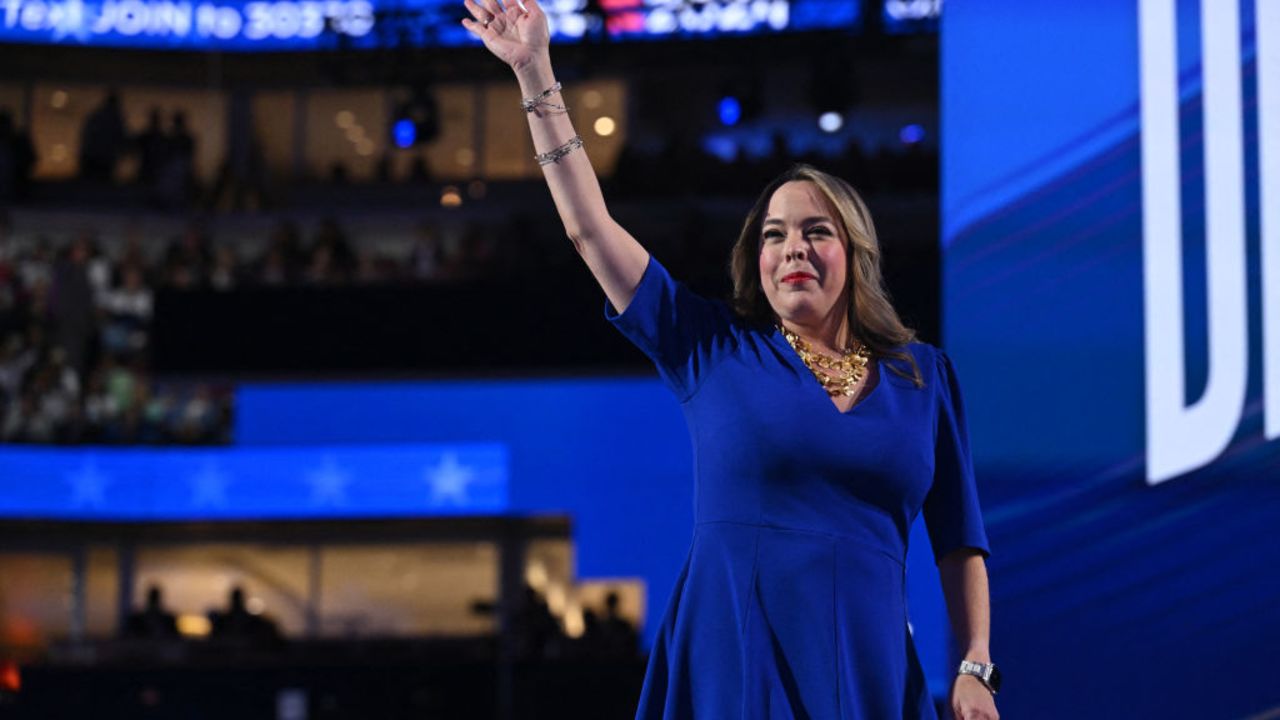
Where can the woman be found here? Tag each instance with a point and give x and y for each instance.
(820, 431)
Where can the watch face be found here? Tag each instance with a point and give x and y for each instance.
(994, 680)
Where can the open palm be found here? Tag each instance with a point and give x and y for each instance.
(515, 34)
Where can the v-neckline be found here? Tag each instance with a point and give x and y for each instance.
(816, 386)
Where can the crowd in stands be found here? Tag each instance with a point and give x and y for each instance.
(74, 335)
(76, 318)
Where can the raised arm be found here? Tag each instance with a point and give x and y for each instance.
(518, 35)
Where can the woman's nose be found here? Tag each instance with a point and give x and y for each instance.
(793, 248)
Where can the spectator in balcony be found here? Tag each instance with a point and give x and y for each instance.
(102, 140)
(101, 411)
(24, 423)
(50, 402)
(427, 257)
(239, 623)
(15, 361)
(280, 263)
(127, 311)
(332, 260)
(17, 159)
(152, 147)
(177, 172)
(12, 310)
(225, 274)
(153, 622)
(71, 304)
(195, 420)
(188, 259)
(617, 635)
(35, 265)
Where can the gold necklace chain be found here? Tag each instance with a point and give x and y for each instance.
(845, 372)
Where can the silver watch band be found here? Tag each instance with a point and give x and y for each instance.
(982, 671)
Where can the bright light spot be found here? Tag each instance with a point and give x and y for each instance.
(59, 153)
(255, 606)
(574, 624)
(344, 119)
(465, 157)
(450, 197)
(573, 26)
(364, 148)
(405, 133)
(730, 110)
(557, 599)
(592, 99)
(911, 134)
(58, 99)
(194, 626)
(476, 189)
(605, 126)
(355, 133)
(831, 121)
(535, 576)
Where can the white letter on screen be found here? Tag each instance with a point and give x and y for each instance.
(1267, 28)
(1182, 438)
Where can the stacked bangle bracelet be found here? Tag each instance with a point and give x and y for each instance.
(554, 156)
(540, 100)
(531, 104)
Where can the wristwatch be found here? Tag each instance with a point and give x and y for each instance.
(986, 672)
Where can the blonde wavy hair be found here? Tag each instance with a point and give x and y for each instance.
(872, 319)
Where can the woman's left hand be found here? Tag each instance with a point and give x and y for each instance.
(971, 700)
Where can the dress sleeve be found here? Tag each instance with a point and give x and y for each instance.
(951, 510)
(683, 333)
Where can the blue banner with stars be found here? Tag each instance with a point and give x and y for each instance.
(242, 483)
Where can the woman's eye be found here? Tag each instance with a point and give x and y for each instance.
(819, 230)
(772, 235)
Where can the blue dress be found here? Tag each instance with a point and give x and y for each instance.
(791, 603)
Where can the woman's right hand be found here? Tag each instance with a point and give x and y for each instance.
(516, 35)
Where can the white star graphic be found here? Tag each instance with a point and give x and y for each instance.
(69, 19)
(209, 486)
(449, 480)
(88, 486)
(328, 484)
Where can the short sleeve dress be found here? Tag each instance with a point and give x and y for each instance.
(791, 602)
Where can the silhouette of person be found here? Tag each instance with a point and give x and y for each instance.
(237, 622)
(153, 621)
(102, 139)
(618, 637)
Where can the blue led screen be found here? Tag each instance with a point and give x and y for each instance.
(910, 16)
(282, 25)
(242, 483)
(1111, 258)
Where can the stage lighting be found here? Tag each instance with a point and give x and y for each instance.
(911, 134)
(404, 132)
(730, 111)
(830, 121)
(415, 121)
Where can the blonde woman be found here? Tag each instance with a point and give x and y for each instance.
(821, 430)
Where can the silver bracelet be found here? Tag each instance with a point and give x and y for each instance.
(554, 156)
(531, 104)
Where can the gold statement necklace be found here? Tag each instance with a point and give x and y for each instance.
(839, 376)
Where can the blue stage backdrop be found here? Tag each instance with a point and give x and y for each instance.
(1111, 182)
